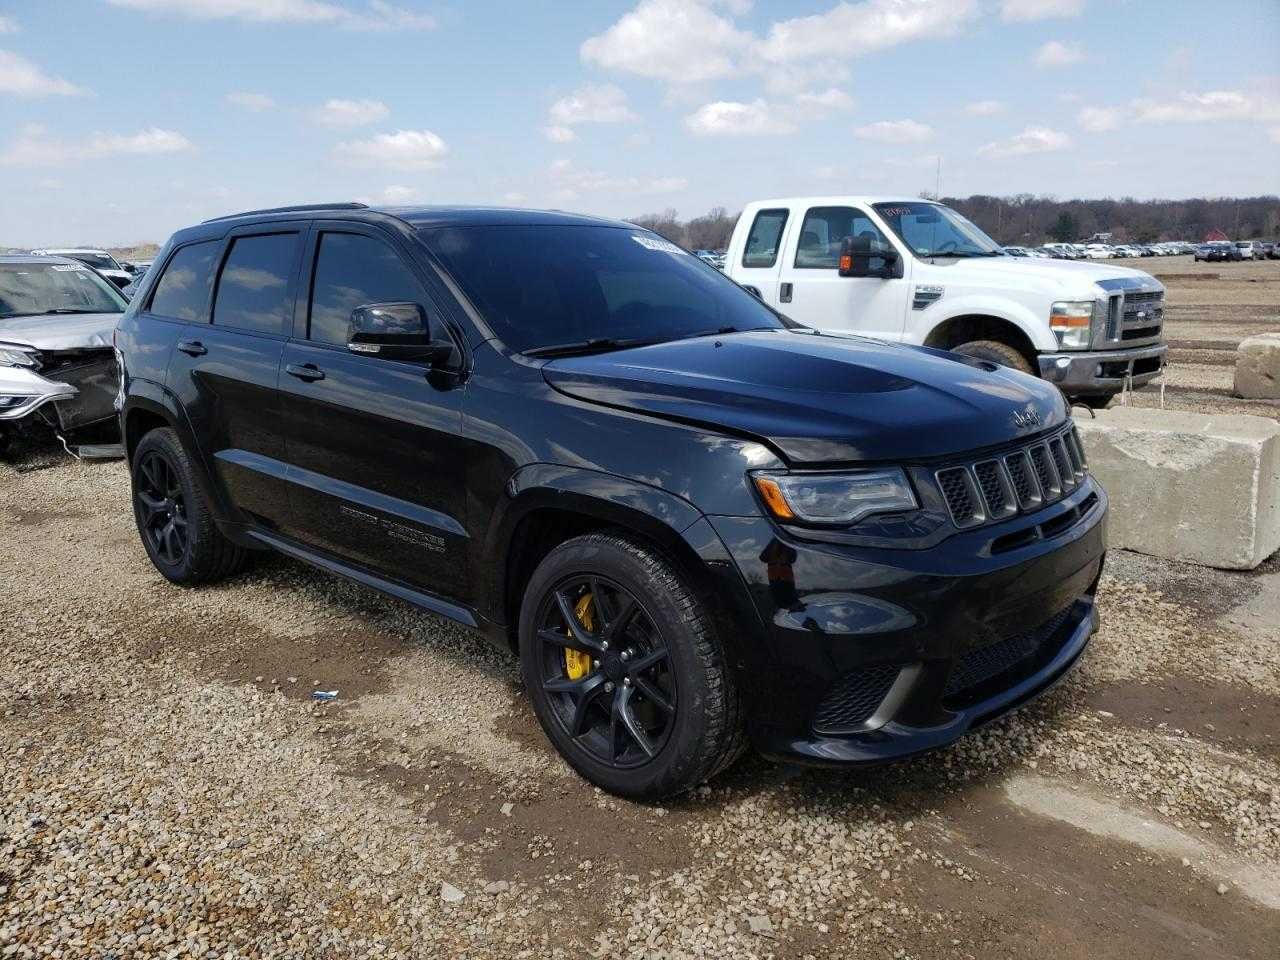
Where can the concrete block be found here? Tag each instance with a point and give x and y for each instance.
(1258, 367)
(1188, 486)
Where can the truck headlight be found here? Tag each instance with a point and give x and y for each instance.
(13, 357)
(841, 498)
(1072, 323)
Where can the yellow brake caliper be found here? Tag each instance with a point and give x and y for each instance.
(576, 664)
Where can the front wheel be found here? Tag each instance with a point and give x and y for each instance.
(995, 352)
(625, 669)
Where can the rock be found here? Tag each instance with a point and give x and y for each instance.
(1223, 888)
(450, 894)
(1258, 367)
(496, 886)
(507, 808)
(1188, 486)
(760, 925)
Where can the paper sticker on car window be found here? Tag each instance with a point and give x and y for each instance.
(653, 243)
(68, 268)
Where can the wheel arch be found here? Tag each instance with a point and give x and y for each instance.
(966, 327)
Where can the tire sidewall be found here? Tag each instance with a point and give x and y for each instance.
(987, 350)
(166, 444)
(682, 755)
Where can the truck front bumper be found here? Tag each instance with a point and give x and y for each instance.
(1102, 371)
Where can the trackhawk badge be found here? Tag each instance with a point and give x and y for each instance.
(1029, 417)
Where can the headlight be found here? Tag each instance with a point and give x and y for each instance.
(834, 497)
(1072, 323)
(13, 357)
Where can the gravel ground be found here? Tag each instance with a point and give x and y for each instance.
(168, 788)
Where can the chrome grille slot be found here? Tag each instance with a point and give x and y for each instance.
(1074, 448)
(961, 493)
(997, 491)
(1066, 470)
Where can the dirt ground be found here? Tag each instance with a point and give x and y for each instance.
(168, 788)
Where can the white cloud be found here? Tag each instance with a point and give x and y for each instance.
(1030, 140)
(678, 41)
(984, 108)
(1275, 134)
(894, 131)
(255, 102)
(1056, 54)
(593, 103)
(515, 198)
(350, 113)
(8, 25)
(726, 118)
(374, 15)
(393, 195)
(569, 181)
(1202, 107)
(1098, 119)
(822, 101)
(849, 29)
(1040, 9)
(34, 147)
(402, 150)
(23, 78)
(559, 134)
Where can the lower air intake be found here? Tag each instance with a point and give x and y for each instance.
(853, 699)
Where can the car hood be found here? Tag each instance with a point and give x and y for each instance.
(819, 398)
(1065, 271)
(61, 331)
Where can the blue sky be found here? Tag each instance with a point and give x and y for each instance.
(122, 120)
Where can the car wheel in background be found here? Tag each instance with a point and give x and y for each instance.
(173, 516)
(626, 670)
(1001, 353)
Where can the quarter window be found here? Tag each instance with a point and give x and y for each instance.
(823, 231)
(183, 289)
(254, 288)
(764, 239)
(353, 270)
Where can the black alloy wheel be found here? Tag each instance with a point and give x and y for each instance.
(606, 670)
(161, 508)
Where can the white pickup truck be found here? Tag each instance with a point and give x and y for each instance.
(917, 272)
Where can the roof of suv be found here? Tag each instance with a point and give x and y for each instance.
(428, 216)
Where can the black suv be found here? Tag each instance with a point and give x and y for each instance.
(699, 524)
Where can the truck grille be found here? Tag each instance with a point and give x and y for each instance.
(1021, 481)
(1135, 315)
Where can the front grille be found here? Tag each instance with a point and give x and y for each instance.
(853, 699)
(1022, 480)
(983, 664)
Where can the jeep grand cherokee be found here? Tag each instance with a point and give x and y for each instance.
(699, 524)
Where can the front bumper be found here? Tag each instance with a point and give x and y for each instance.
(23, 392)
(1078, 373)
(871, 654)
(83, 393)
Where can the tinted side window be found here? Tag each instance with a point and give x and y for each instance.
(764, 239)
(183, 289)
(823, 231)
(254, 288)
(352, 270)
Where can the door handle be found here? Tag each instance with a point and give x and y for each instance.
(784, 293)
(192, 348)
(307, 372)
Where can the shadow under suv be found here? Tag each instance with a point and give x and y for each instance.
(699, 524)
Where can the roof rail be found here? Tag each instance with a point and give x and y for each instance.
(297, 208)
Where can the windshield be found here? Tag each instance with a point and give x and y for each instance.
(932, 230)
(99, 261)
(545, 286)
(28, 289)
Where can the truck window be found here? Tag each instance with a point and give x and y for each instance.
(823, 231)
(765, 237)
(183, 290)
(254, 288)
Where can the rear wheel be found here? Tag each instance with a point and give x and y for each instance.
(173, 515)
(995, 352)
(625, 670)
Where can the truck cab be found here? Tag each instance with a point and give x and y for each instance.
(916, 271)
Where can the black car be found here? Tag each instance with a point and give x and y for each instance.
(700, 525)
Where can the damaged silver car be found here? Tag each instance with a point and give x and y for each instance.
(58, 372)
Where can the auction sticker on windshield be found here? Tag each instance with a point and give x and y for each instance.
(650, 243)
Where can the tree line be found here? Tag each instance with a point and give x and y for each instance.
(1029, 220)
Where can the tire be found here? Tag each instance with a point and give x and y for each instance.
(590, 717)
(1095, 401)
(167, 496)
(996, 352)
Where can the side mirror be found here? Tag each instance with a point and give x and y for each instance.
(856, 255)
(398, 331)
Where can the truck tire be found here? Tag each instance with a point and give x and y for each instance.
(992, 350)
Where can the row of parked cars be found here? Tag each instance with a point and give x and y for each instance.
(1220, 250)
(1101, 251)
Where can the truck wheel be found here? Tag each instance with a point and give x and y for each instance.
(626, 670)
(996, 352)
(173, 516)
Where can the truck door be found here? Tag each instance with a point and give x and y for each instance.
(760, 258)
(812, 291)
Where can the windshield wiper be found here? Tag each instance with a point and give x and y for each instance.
(73, 310)
(594, 345)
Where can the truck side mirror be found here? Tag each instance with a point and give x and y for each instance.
(856, 256)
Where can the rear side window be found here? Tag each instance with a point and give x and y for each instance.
(823, 231)
(764, 239)
(254, 288)
(183, 289)
(353, 270)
